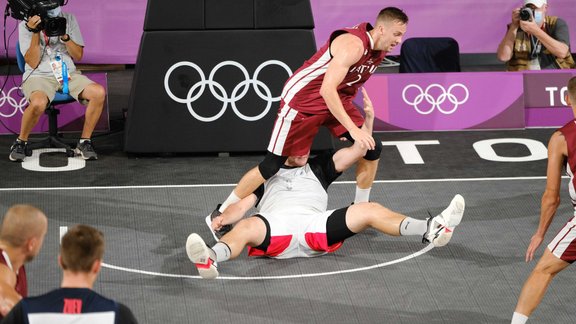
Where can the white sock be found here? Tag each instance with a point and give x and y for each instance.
(518, 318)
(362, 195)
(222, 251)
(229, 201)
(412, 226)
(82, 140)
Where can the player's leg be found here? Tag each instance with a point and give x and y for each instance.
(251, 231)
(560, 253)
(373, 215)
(366, 167)
(535, 286)
(358, 217)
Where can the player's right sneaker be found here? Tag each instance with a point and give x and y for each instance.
(441, 227)
(223, 230)
(202, 256)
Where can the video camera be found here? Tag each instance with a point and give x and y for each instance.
(24, 9)
(526, 14)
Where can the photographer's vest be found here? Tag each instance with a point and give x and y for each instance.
(523, 48)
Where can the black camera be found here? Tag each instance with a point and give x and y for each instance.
(526, 14)
(24, 9)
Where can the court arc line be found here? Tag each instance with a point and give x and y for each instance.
(233, 184)
(306, 275)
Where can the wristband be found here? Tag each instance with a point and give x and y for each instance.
(66, 39)
(32, 30)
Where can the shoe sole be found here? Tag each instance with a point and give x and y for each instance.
(15, 159)
(208, 221)
(452, 215)
(197, 252)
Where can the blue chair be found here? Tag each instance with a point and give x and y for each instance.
(53, 140)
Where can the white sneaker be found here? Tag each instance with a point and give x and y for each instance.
(202, 256)
(441, 227)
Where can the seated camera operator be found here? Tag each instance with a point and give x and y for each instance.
(535, 41)
(41, 79)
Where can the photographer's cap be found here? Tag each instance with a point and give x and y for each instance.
(537, 3)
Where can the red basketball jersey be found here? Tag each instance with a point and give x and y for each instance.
(302, 90)
(569, 132)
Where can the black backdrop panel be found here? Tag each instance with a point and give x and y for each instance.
(174, 15)
(216, 94)
(229, 14)
(283, 14)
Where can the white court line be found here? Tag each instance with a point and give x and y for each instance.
(306, 275)
(233, 184)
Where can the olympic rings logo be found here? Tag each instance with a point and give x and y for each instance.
(438, 101)
(14, 103)
(218, 91)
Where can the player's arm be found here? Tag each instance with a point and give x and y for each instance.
(234, 212)
(346, 50)
(8, 295)
(557, 152)
(368, 112)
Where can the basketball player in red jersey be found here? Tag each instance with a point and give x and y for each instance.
(320, 93)
(21, 238)
(561, 252)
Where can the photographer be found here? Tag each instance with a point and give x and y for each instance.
(44, 54)
(535, 41)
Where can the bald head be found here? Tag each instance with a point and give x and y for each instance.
(22, 223)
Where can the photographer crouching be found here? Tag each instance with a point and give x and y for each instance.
(535, 41)
(50, 41)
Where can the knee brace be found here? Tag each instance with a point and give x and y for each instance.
(270, 165)
(373, 155)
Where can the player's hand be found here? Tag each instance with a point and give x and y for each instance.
(368, 107)
(364, 139)
(533, 246)
(217, 223)
(33, 22)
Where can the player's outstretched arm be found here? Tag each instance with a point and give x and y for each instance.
(234, 212)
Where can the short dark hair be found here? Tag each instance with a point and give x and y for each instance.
(81, 246)
(392, 14)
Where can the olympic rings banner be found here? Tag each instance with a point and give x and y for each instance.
(70, 119)
(212, 91)
(447, 101)
(475, 100)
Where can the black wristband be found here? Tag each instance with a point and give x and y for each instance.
(65, 40)
(32, 30)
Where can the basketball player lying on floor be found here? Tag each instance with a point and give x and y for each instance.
(293, 220)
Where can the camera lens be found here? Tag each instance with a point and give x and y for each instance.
(526, 14)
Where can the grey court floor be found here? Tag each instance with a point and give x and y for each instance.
(147, 205)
